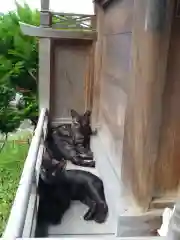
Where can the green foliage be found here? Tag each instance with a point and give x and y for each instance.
(11, 164)
(18, 67)
(29, 107)
(18, 53)
(10, 119)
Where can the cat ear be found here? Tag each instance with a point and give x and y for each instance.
(87, 113)
(74, 114)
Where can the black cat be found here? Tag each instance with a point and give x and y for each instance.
(81, 127)
(60, 143)
(60, 146)
(58, 187)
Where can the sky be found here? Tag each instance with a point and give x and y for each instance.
(71, 6)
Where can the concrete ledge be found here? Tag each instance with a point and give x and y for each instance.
(140, 225)
(111, 182)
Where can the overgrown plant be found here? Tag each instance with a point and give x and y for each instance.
(18, 69)
(19, 66)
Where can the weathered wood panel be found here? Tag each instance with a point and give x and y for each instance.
(116, 58)
(118, 17)
(143, 115)
(97, 63)
(113, 102)
(112, 144)
(89, 78)
(168, 165)
(69, 83)
(112, 75)
(112, 115)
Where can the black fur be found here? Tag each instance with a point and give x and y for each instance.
(83, 123)
(62, 146)
(58, 187)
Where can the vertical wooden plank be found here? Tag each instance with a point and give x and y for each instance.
(70, 69)
(90, 83)
(143, 116)
(93, 22)
(89, 78)
(97, 63)
(168, 167)
(44, 72)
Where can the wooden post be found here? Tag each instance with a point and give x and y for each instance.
(44, 5)
(150, 43)
(168, 167)
(45, 15)
(97, 62)
(45, 58)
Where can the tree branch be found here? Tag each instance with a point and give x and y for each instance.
(32, 75)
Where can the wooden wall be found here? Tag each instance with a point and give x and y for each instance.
(70, 77)
(168, 161)
(134, 38)
(151, 34)
(112, 68)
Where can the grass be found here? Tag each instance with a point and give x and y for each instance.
(11, 163)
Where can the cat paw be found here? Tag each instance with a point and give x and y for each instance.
(91, 164)
(88, 215)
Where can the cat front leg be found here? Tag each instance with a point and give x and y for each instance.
(101, 213)
(89, 215)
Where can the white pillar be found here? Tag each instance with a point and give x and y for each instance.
(44, 5)
(44, 72)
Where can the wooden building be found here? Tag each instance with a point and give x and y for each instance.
(125, 68)
(137, 77)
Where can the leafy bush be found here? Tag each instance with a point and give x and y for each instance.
(18, 68)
